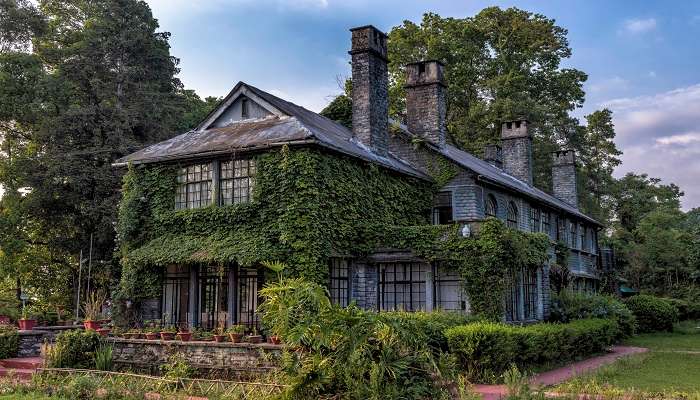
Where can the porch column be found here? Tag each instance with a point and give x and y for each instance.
(193, 295)
(430, 287)
(231, 295)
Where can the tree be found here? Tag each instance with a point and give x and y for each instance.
(634, 196)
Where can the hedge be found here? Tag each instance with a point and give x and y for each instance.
(653, 314)
(430, 326)
(9, 341)
(687, 309)
(568, 306)
(486, 350)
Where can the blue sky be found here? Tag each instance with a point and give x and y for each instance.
(642, 58)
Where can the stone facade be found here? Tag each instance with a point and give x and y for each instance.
(426, 106)
(564, 176)
(215, 359)
(370, 88)
(30, 343)
(493, 154)
(516, 142)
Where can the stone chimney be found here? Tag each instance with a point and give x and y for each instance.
(564, 177)
(370, 88)
(493, 154)
(516, 142)
(426, 106)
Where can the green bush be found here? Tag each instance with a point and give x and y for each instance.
(428, 326)
(687, 309)
(486, 350)
(75, 349)
(653, 313)
(568, 306)
(9, 341)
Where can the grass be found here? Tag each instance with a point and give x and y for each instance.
(668, 368)
(24, 397)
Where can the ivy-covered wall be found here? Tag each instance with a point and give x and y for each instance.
(307, 206)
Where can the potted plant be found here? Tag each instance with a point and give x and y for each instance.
(92, 309)
(203, 336)
(168, 333)
(274, 339)
(184, 333)
(27, 322)
(219, 336)
(254, 337)
(152, 333)
(236, 332)
(133, 333)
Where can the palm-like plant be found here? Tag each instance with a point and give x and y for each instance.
(92, 308)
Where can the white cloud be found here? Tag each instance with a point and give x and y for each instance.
(659, 135)
(637, 26)
(614, 83)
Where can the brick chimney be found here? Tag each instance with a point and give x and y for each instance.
(516, 142)
(564, 176)
(426, 106)
(370, 88)
(493, 154)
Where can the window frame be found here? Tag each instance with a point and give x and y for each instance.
(339, 271)
(448, 278)
(198, 177)
(413, 284)
(546, 223)
(535, 219)
(235, 172)
(491, 204)
(512, 215)
(442, 207)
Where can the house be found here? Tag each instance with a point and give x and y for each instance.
(264, 179)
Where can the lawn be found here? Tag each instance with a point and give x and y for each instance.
(672, 365)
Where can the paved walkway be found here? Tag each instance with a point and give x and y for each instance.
(556, 376)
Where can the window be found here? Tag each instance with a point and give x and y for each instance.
(491, 206)
(213, 296)
(449, 294)
(572, 235)
(402, 286)
(534, 219)
(194, 187)
(442, 208)
(546, 225)
(582, 233)
(175, 300)
(338, 279)
(244, 108)
(249, 281)
(237, 181)
(512, 218)
(522, 295)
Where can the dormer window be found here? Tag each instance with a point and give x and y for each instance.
(442, 208)
(244, 108)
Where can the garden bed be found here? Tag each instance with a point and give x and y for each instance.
(240, 360)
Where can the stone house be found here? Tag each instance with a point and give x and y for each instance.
(212, 278)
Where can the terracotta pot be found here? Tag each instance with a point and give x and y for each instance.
(185, 336)
(26, 324)
(92, 325)
(152, 336)
(235, 337)
(167, 335)
(254, 339)
(275, 339)
(104, 331)
(4, 319)
(219, 338)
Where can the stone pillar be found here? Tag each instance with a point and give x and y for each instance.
(370, 88)
(564, 177)
(426, 106)
(516, 142)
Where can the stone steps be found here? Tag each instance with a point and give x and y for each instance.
(21, 368)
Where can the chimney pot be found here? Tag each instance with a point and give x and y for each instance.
(426, 104)
(493, 154)
(564, 185)
(516, 142)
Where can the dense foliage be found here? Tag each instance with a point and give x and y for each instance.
(74, 349)
(347, 352)
(653, 314)
(9, 341)
(486, 349)
(568, 306)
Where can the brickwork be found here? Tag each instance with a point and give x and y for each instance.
(516, 143)
(370, 88)
(564, 176)
(426, 105)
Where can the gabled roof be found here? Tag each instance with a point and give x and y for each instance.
(495, 175)
(288, 124)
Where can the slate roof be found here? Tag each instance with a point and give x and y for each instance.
(297, 126)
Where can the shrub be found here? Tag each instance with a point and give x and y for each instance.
(568, 306)
(687, 309)
(429, 326)
(74, 349)
(653, 313)
(9, 341)
(486, 350)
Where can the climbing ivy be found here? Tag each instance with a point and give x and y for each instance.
(308, 206)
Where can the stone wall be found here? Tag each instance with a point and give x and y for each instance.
(30, 343)
(209, 358)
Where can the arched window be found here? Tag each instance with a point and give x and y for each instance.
(491, 206)
(512, 217)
